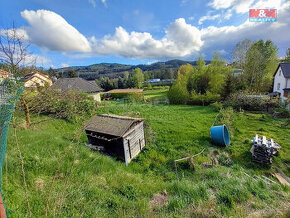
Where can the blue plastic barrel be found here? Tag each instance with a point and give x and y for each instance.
(220, 135)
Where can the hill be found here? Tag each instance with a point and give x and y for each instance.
(114, 70)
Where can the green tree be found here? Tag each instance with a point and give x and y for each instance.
(120, 83)
(51, 72)
(239, 54)
(72, 74)
(146, 76)
(287, 58)
(138, 78)
(261, 62)
(217, 73)
(178, 93)
(106, 84)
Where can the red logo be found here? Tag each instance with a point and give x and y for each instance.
(263, 15)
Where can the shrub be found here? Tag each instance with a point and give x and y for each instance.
(59, 104)
(226, 116)
(121, 95)
(136, 97)
(217, 106)
(281, 112)
(203, 99)
(178, 94)
(248, 101)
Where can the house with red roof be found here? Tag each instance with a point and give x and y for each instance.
(4, 75)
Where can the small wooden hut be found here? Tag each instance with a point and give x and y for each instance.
(118, 136)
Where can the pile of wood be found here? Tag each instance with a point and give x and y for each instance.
(264, 149)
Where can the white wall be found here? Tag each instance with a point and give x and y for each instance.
(288, 83)
(279, 78)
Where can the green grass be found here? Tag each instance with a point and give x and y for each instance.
(93, 185)
(156, 95)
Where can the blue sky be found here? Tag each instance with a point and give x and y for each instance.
(83, 32)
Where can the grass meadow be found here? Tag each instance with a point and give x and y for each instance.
(88, 184)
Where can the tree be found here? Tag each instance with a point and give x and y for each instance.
(240, 52)
(217, 73)
(106, 83)
(51, 72)
(261, 62)
(14, 50)
(201, 80)
(178, 94)
(72, 74)
(287, 58)
(146, 76)
(14, 54)
(138, 78)
(120, 83)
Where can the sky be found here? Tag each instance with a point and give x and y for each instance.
(83, 32)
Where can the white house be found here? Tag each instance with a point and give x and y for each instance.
(282, 81)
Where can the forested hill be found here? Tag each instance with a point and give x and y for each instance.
(113, 70)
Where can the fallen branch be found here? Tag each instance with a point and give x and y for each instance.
(185, 158)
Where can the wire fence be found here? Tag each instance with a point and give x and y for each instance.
(9, 95)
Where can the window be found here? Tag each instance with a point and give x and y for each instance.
(280, 72)
(278, 86)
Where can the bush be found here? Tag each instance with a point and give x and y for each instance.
(247, 101)
(136, 97)
(281, 112)
(217, 106)
(59, 104)
(200, 99)
(121, 95)
(178, 94)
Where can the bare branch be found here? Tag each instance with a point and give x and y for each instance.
(13, 49)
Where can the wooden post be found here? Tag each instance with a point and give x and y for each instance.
(140, 144)
(125, 152)
(129, 149)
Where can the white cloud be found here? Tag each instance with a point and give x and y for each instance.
(93, 3)
(191, 18)
(227, 36)
(221, 4)
(19, 33)
(208, 17)
(243, 6)
(181, 39)
(104, 2)
(48, 29)
(64, 65)
(37, 60)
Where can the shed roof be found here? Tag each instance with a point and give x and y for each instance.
(111, 124)
(285, 67)
(76, 84)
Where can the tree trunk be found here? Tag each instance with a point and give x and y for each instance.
(27, 112)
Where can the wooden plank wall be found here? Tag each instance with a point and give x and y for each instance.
(134, 142)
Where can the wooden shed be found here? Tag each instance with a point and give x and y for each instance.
(118, 136)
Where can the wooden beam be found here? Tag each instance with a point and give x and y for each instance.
(129, 149)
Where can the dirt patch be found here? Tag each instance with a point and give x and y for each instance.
(159, 200)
